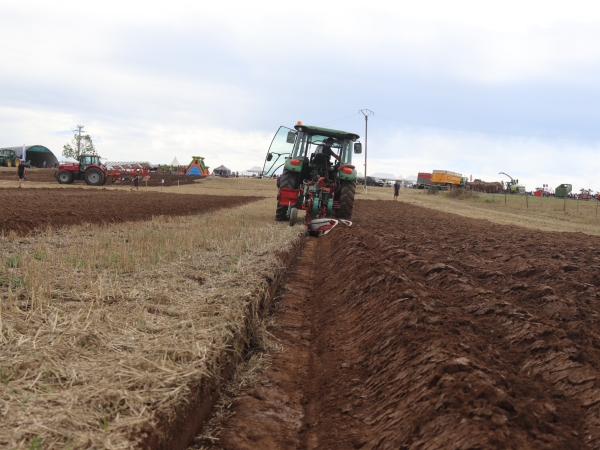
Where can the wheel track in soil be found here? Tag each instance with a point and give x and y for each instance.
(428, 330)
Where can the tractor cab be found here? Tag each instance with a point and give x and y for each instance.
(87, 160)
(298, 149)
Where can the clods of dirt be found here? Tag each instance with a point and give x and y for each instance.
(427, 330)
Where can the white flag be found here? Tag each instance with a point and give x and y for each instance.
(23, 154)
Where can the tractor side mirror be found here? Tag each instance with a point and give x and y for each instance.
(357, 148)
(291, 137)
(269, 156)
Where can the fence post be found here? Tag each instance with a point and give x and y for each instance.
(527, 199)
(565, 204)
(505, 198)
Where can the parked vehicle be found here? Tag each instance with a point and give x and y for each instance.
(423, 180)
(8, 158)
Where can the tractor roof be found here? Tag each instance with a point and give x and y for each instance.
(326, 132)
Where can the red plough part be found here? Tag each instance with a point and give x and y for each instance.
(317, 200)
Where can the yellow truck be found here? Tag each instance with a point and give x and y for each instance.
(446, 178)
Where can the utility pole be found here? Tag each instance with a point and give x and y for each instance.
(366, 113)
(79, 127)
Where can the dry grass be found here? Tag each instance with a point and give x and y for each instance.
(105, 329)
(542, 214)
(213, 186)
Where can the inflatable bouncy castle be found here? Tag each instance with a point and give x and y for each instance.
(197, 168)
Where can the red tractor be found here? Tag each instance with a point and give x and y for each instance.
(89, 168)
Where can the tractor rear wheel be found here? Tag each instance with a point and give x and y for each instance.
(64, 177)
(288, 180)
(94, 177)
(17, 162)
(347, 191)
(9, 163)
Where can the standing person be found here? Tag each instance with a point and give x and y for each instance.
(397, 186)
(21, 173)
(136, 181)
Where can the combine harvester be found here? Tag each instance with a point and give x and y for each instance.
(513, 186)
(312, 183)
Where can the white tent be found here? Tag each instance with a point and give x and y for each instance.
(386, 176)
(69, 159)
(255, 171)
(175, 162)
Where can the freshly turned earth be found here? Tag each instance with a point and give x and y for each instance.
(418, 329)
(26, 210)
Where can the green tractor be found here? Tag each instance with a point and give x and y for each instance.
(311, 180)
(8, 158)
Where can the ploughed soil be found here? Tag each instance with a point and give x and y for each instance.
(47, 176)
(26, 210)
(418, 329)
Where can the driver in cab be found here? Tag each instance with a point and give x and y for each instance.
(326, 150)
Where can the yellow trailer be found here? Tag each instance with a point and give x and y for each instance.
(446, 177)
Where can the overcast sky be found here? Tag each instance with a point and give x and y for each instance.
(469, 86)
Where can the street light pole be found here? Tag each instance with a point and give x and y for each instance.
(366, 113)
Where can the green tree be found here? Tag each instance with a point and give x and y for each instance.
(81, 144)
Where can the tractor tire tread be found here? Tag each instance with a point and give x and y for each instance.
(101, 175)
(347, 193)
(69, 178)
(288, 180)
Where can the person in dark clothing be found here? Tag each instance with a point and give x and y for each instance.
(21, 173)
(396, 189)
(136, 181)
(326, 149)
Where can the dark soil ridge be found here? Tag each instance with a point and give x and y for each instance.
(432, 331)
(27, 210)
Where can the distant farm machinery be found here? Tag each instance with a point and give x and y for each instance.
(587, 194)
(9, 158)
(90, 169)
(513, 186)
